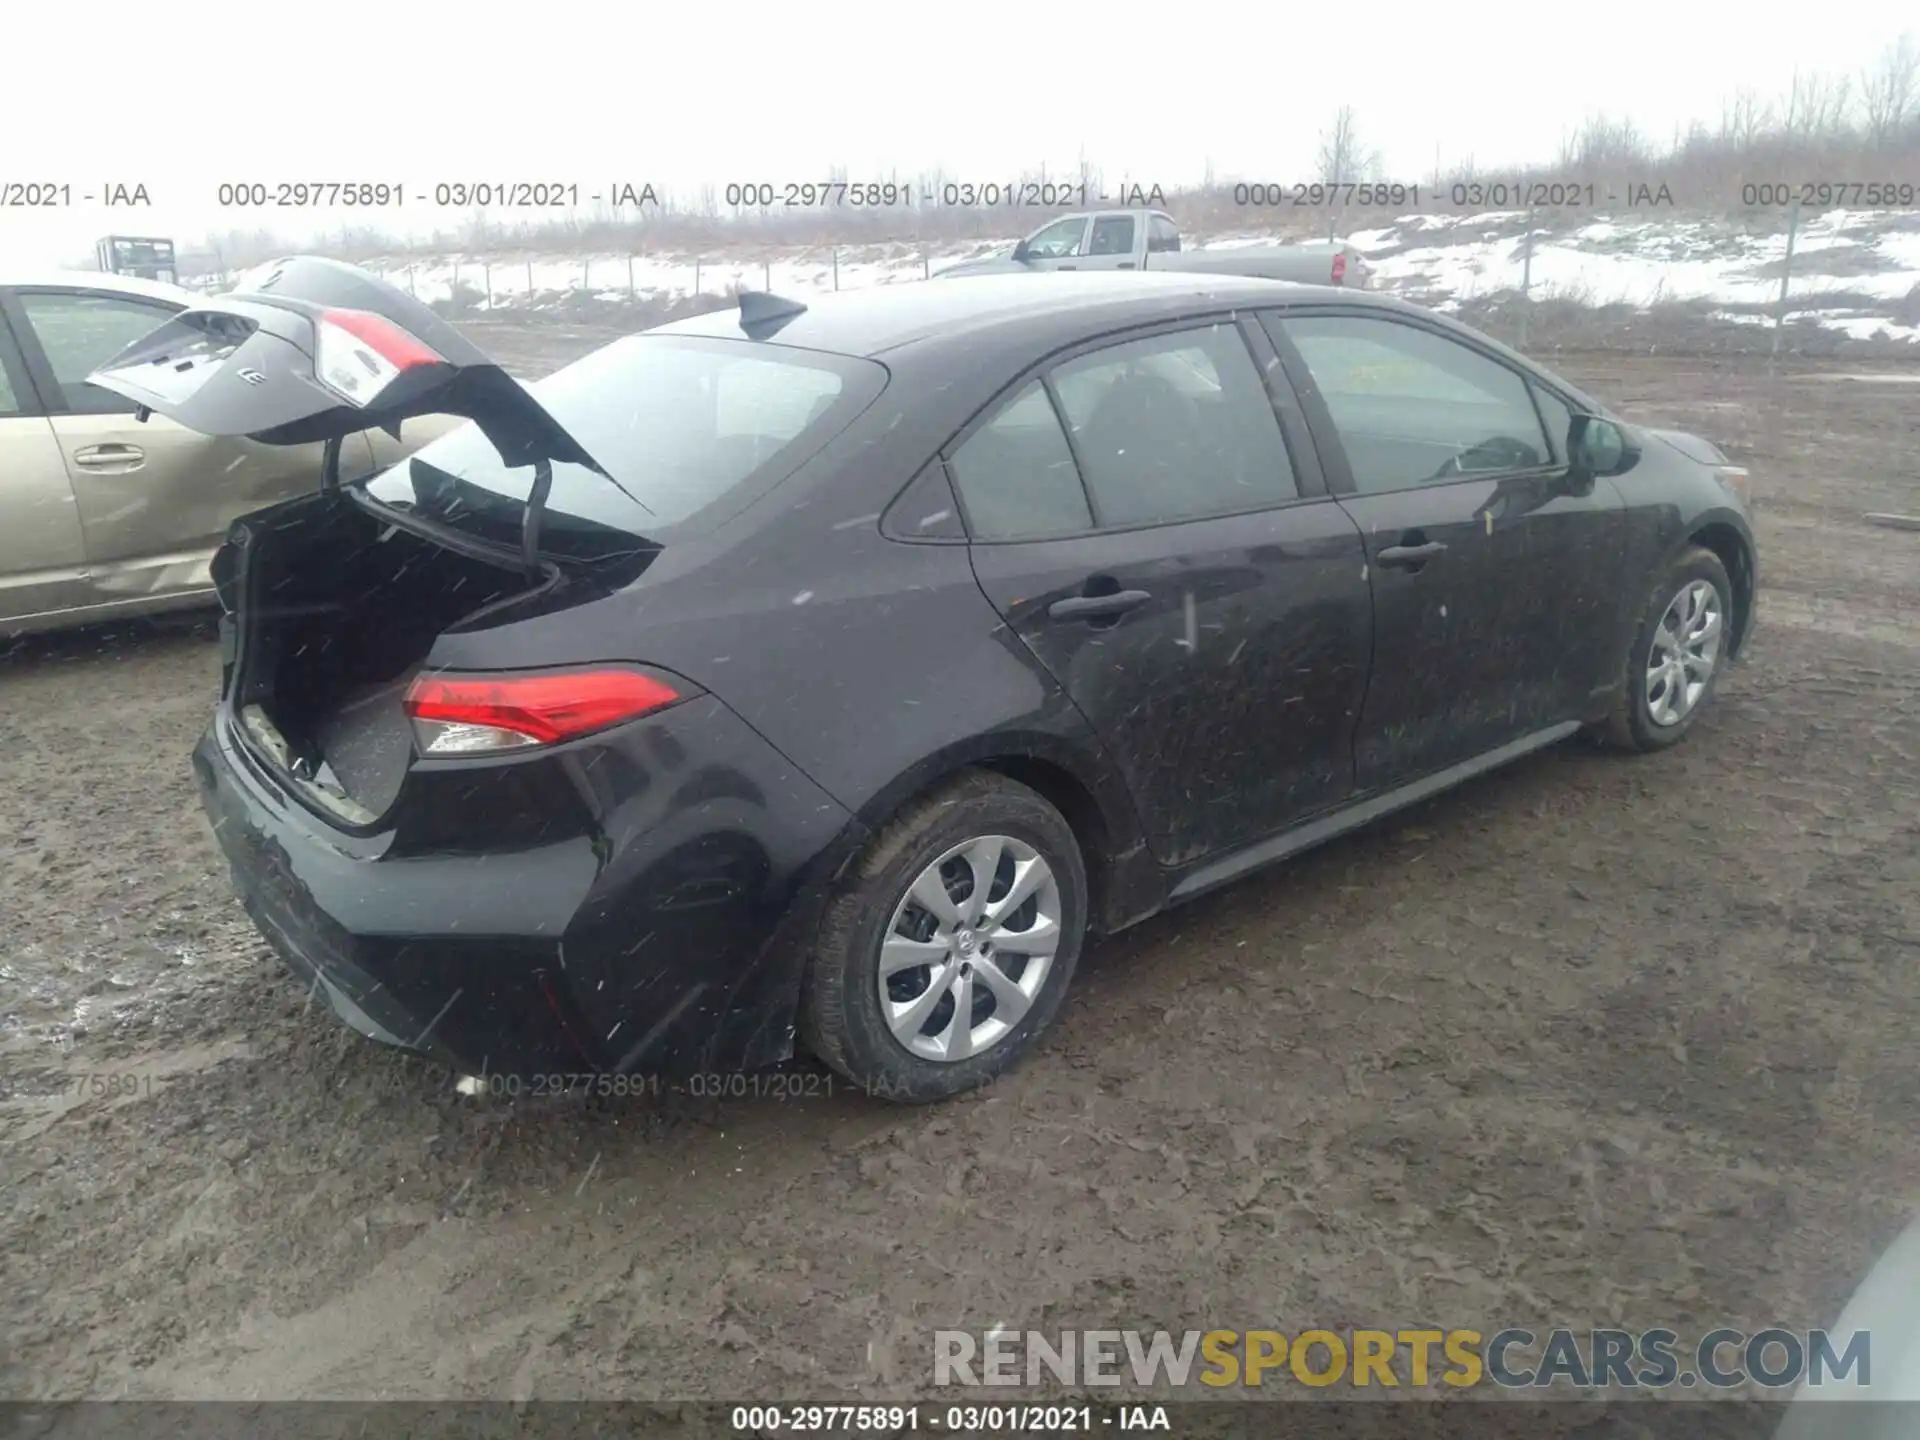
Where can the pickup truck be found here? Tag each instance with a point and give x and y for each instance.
(1149, 240)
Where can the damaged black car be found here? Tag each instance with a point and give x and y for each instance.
(822, 675)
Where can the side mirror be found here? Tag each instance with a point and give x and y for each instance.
(1596, 446)
(1021, 253)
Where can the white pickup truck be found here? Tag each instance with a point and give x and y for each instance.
(1149, 240)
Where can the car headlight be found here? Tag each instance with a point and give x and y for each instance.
(1736, 479)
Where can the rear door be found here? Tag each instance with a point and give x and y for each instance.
(153, 499)
(1496, 577)
(42, 559)
(1160, 538)
(1111, 243)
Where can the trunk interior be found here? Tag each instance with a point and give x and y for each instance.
(338, 613)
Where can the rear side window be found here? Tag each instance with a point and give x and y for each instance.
(80, 332)
(1016, 476)
(1175, 427)
(1162, 237)
(679, 423)
(1112, 235)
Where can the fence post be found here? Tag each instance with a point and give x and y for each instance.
(586, 272)
(696, 277)
(836, 267)
(1786, 275)
(486, 277)
(766, 269)
(453, 286)
(630, 294)
(529, 280)
(926, 266)
(410, 289)
(1526, 280)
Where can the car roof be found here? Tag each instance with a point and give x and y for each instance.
(98, 280)
(877, 319)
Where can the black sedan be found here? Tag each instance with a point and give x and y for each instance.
(823, 674)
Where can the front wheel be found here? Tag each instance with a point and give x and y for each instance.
(1678, 651)
(948, 954)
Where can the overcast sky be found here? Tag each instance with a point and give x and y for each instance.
(180, 97)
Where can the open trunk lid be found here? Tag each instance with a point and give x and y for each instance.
(309, 349)
(332, 604)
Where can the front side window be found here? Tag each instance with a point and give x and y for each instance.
(1413, 407)
(1175, 427)
(1059, 240)
(1558, 418)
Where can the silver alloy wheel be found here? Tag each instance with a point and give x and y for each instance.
(1685, 647)
(968, 948)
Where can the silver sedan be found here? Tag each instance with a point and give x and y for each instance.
(103, 515)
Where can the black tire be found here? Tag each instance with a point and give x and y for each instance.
(841, 1019)
(1631, 725)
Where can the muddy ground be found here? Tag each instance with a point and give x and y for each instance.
(1593, 1040)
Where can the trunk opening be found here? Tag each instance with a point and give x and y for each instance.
(339, 612)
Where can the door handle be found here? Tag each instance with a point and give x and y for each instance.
(1098, 607)
(1410, 557)
(1125, 265)
(1069, 267)
(110, 457)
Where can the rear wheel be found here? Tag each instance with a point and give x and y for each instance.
(1677, 655)
(948, 953)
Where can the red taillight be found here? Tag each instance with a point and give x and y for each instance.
(358, 354)
(464, 715)
(1339, 266)
(384, 338)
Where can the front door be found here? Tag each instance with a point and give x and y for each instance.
(1138, 519)
(1496, 579)
(43, 565)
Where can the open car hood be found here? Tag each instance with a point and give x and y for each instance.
(309, 349)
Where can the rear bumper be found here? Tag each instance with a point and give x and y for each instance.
(651, 915)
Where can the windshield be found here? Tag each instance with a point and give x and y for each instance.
(679, 424)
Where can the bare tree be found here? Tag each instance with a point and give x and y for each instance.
(1343, 159)
(1602, 143)
(1817, 108)
(1744, 120)
(1090, 177)
(1890, 92)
